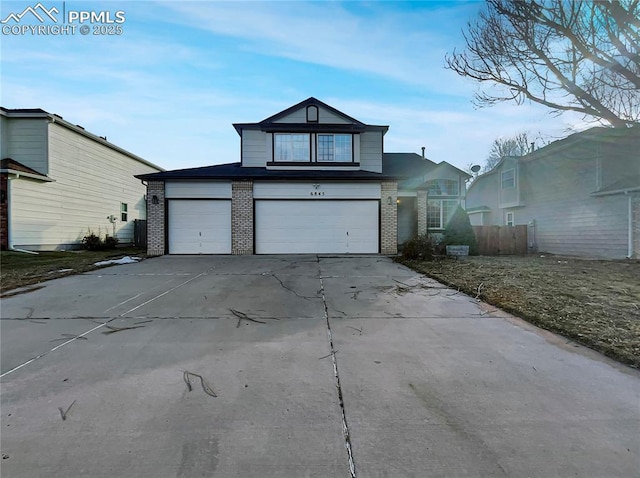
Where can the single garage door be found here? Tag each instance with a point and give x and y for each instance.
(322, 226)
(199, 226)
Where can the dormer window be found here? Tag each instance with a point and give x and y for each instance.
(312, 114)
(335, 147)
(291, 147)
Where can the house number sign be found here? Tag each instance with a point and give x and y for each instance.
(316, 192)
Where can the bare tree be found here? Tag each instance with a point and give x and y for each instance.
(568, 55)
(518, 145)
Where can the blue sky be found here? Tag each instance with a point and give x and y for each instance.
(170, 86)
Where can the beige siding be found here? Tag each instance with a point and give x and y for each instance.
(254, 148)
(26, 142)
(91, 180)
(371, 151)
(324, 116)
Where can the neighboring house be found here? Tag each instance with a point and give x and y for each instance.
(311, 179)
(428, 193)
(59, 182)
(579, 196)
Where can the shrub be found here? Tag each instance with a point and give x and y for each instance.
(459, 232)
(110, 242)
(93, 242)
(418, 247)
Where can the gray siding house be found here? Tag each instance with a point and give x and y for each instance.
(310, 179)
(58, 182)
(579, 196)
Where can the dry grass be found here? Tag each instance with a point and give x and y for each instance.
(20, 270)
(596, 303)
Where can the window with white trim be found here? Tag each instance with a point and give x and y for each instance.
(124, 211)
(291, 147)
(443, 187)
(440, 212)
(509, 219)
(508, 178)
(335, 147)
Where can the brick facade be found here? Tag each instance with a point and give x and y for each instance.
(242, 217)
(421, 202)
(156, 218)
(389, 218)
(635, 213)
(4, 210)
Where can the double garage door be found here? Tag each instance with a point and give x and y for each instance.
(280, 226)
(323, 226)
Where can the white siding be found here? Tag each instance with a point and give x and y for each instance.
(26, 142)
(254, 148)
(91, 180)
(324, 116)
(307, 190)
(371, 151)
(197, 189)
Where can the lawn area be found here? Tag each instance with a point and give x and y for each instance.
(595, 303)
(20, 269)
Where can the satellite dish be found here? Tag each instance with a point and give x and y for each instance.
(475, 168)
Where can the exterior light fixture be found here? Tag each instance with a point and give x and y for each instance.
(154, 199)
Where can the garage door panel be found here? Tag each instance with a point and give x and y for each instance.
(323, 226)
(199, 227)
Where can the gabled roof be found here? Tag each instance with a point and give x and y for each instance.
(271, 123)
(624, 142)
(11, 166)
(235, 171)
(54, 118)
(308, 102)
(412, 170)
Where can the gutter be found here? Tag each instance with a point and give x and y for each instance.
(9, 225)
(17, 174)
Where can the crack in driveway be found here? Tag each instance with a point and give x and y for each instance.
(345, 426)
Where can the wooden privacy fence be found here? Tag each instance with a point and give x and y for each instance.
(500, 240)
(140, 233)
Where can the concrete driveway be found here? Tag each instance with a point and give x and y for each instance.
(321, 366)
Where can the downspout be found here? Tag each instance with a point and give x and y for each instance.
(9, 225)
(630, 233)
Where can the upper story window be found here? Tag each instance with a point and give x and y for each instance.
(443, 187)
(508, 178)
(335, 147)
(291, 147)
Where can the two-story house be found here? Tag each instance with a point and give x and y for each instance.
(579, 195)
(311, 179)
(59, 182)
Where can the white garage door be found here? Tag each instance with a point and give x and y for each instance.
(199, 226)
(323, 226)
